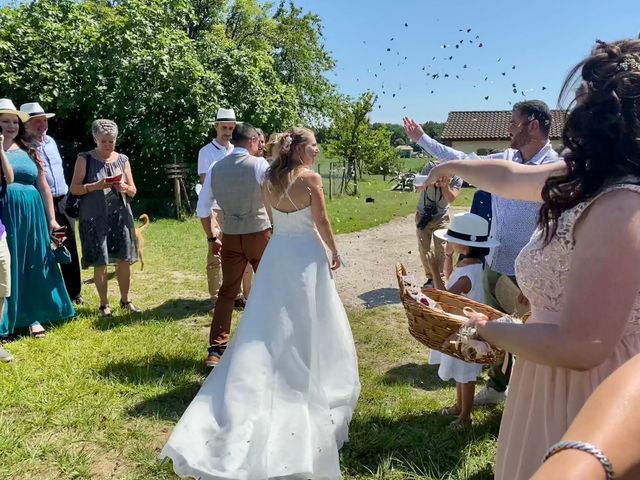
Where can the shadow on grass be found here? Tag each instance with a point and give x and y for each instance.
(168, 406)
(424, 377)
(159, 370)
(153, 369)
(379, 297)
(171, 310)
(420, 444)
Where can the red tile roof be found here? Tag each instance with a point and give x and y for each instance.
(490, 125)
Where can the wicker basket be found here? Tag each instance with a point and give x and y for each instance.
(433, 327)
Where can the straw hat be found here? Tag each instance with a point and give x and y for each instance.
(34, 110)
(7, 106)
(226, 115)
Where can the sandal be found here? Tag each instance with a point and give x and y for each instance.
(37, 331)
(449, 412)
(129, 307)
(460, 425)
(104, 311)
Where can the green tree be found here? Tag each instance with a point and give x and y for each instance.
(160, 69)
(365, 149)
(398, 135)
(434, 129)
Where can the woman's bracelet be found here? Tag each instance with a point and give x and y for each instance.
(583, 447)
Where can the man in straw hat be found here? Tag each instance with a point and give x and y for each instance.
(36, 129)
(210, 214)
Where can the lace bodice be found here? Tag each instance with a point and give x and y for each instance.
(542, 271)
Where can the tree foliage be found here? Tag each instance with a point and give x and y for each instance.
(161, 69)
(434, 129)
(398, 135)
(366, 149)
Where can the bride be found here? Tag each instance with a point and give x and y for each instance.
(278, 404)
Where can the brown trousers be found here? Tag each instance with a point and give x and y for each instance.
(424, 242)
(214, 270)
(237, 252)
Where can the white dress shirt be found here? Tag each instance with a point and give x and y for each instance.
(211, 153)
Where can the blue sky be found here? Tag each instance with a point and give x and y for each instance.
(543, 39)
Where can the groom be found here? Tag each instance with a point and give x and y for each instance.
(236, 186)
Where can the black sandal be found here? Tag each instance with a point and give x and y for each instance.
(104, 311)
(129, 307)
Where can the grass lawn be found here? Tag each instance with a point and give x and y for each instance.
(97, 398)
(350, 214)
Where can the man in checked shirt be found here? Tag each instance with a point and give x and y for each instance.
(513, 221)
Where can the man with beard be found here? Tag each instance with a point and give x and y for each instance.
(36, 132)
(513, 221)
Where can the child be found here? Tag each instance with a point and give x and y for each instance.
(468, 236)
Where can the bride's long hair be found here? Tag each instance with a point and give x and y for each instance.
(286, 165)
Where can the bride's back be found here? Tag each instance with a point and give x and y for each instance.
(295, 196)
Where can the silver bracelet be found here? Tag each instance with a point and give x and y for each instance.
(583, 447)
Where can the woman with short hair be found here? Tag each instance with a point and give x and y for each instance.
(103, 180)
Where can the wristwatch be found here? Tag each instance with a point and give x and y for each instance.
(212, 239)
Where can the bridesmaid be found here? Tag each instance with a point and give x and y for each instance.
(38, 293)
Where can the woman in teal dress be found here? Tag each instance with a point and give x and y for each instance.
(38, 294)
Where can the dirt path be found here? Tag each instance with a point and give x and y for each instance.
(371, 255)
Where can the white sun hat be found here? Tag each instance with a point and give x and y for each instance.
(7, 106)
(34, 110)
(226, 115)
(467, 229)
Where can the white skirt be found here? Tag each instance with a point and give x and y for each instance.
(454, 369)
(278, 404)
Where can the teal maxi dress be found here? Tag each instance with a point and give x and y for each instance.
(38, 293)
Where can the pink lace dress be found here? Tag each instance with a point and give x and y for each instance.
(543, 400)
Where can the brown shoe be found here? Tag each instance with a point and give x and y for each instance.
(215, 353)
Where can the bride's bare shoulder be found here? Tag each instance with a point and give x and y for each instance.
(310, 178)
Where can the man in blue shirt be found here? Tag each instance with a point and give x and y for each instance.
(512, 221)
(36, 129)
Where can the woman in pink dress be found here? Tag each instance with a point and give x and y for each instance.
(580, 269)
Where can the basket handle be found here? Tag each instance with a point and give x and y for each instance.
(468, 311)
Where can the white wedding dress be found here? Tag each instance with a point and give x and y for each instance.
(278, 404)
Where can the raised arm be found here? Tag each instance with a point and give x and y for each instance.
(320, 216)
(595, 312)
(507, 179)
(428, 144)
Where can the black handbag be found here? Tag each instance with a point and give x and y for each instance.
(72, 206)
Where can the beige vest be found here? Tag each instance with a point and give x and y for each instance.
(239, 195)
